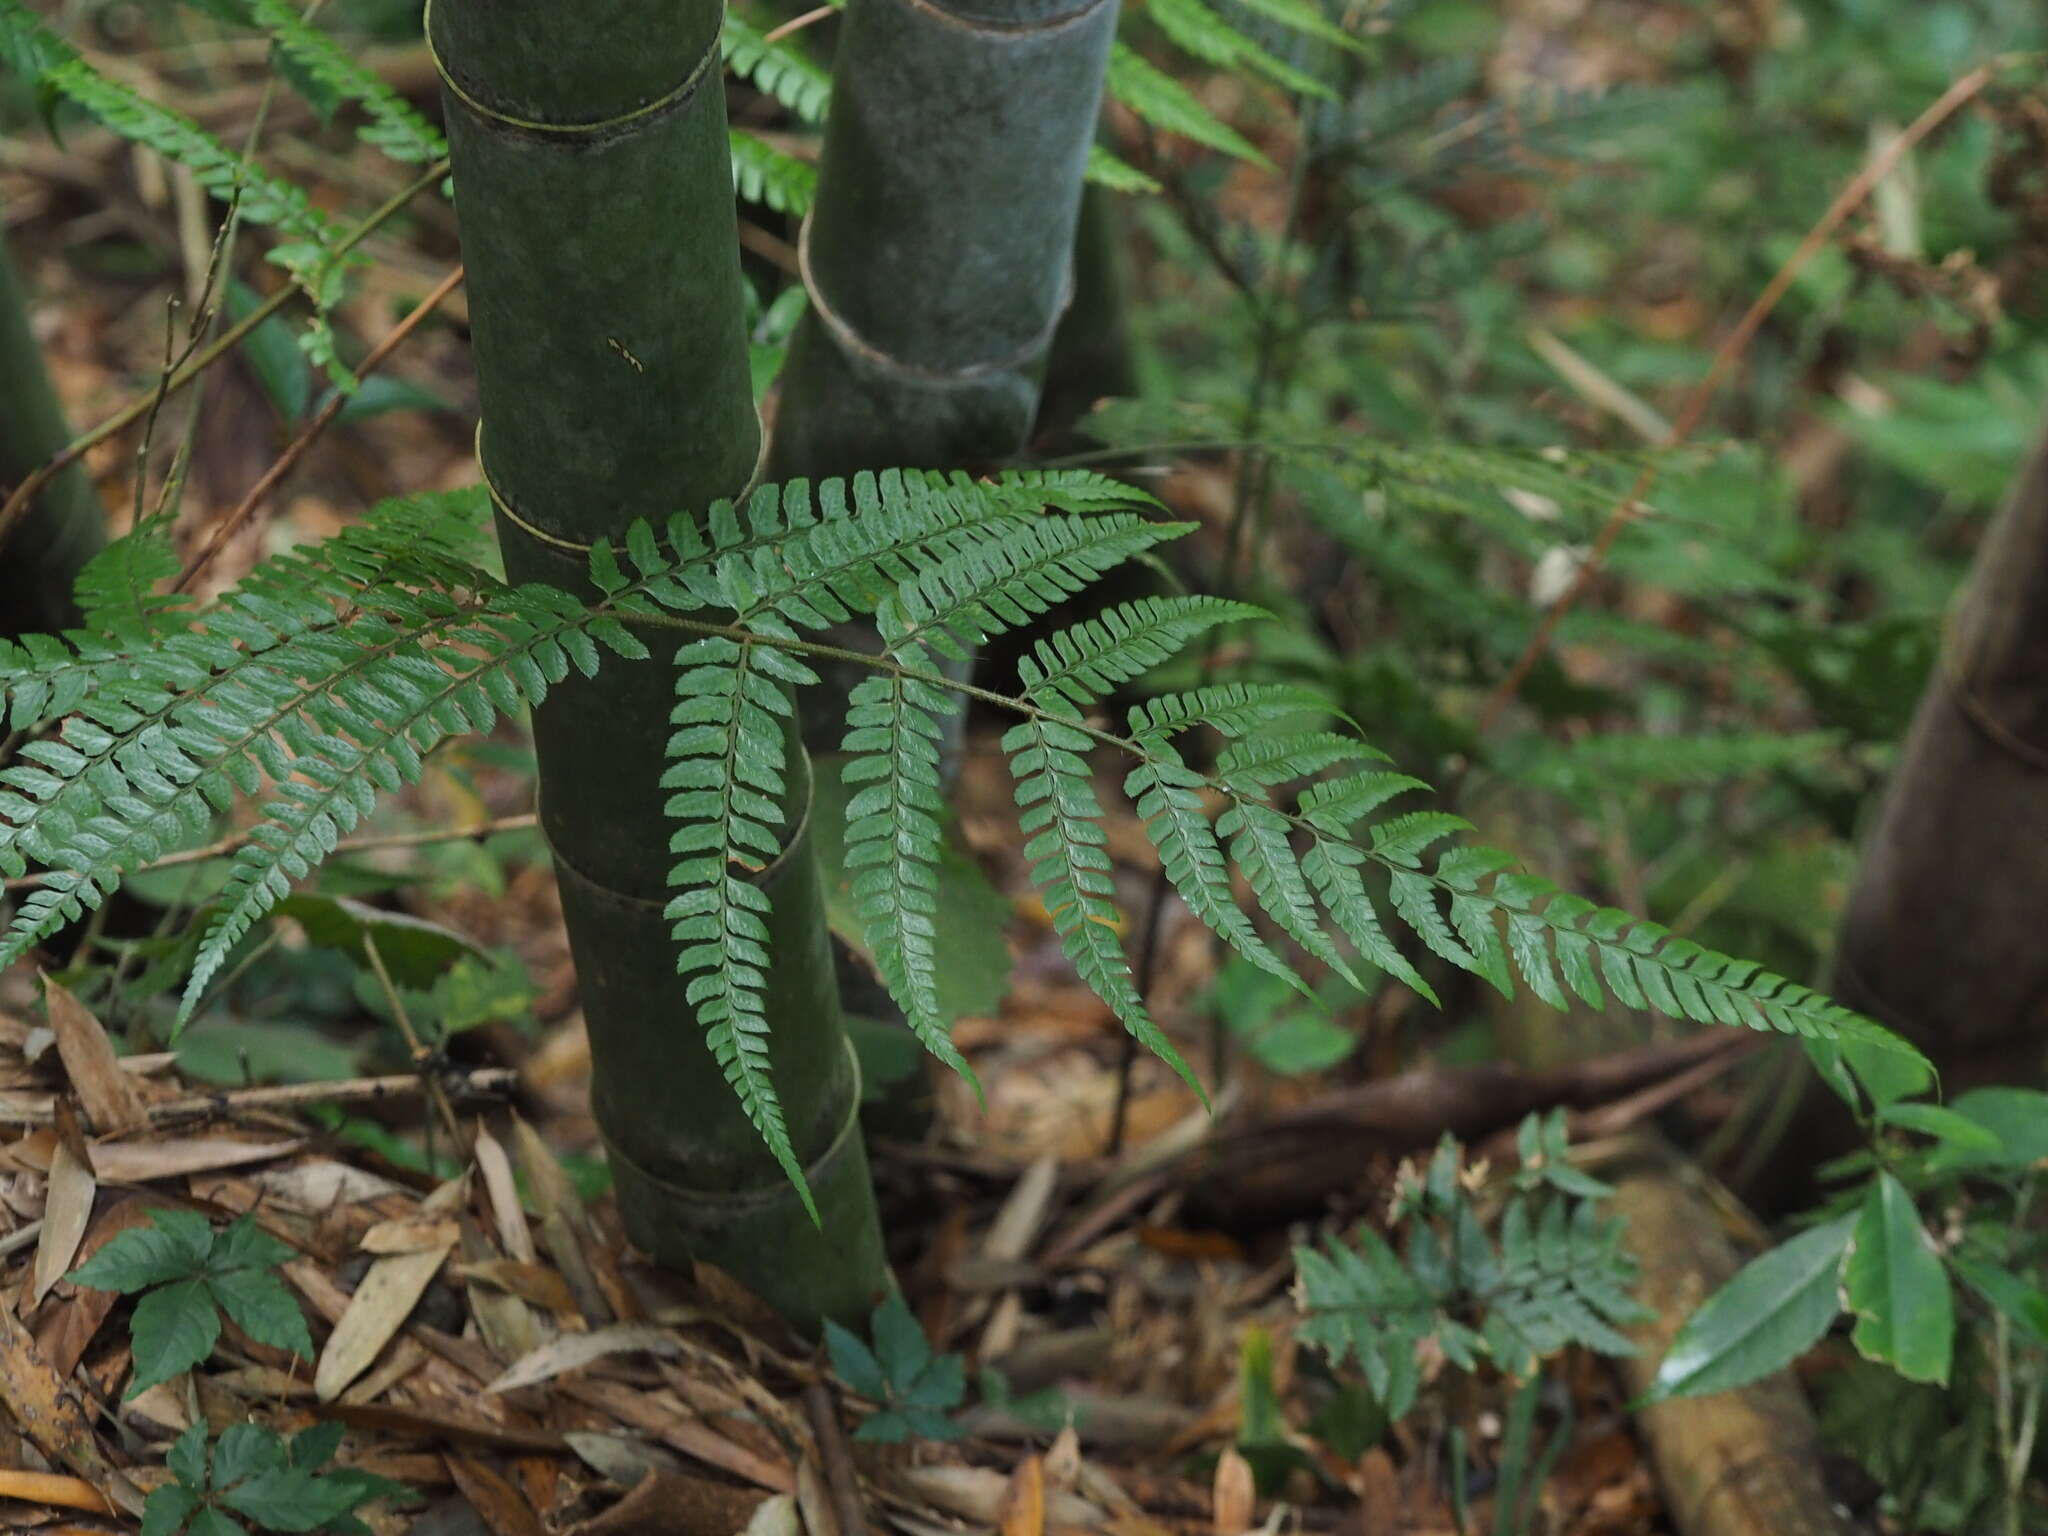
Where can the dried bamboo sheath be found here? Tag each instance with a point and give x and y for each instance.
(594, 189)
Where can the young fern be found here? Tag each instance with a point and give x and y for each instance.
(331, 672)
(393, 127)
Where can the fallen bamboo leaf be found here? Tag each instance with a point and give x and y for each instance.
(379, 1308)
(660, 1415)
(976, 1493)
(67, 1210)
(677, 1504)
(1023, 1507)
(410, 1234)
(323, 1183)
(140, 1162)
(814, 1500)
(44, 1409)
(537, 1283)
(501, 1505)
(53, 1488)
(776, 1516)
(513, 1234)
(387, 1419)
(572, 1351)
(622, 1459)
(108, 1094)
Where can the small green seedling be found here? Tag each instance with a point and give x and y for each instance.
(190, 1275)
(256, 1475)
(915, 1387)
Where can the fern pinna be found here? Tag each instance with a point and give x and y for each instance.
(326, 677)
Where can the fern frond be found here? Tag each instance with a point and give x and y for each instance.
(781, 69)
(775, 179)
(394, 127)
(1230, 709)
(1062, 821)
(1168, 797)
(726, 766)
(893, 738)
(1088, 660)
(368, 727)
(1196, 28)
(1155, 97)
(1107, 170)
(312, 251)
(998, 583)
(118, 585)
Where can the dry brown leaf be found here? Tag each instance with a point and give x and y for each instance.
(572, 1351)
(377, 1311)
(660, 1415)
(108, 1094)
(513, 1235)
(51, 1488)
(418, 1424)
(1236, 1494)
(322, 1183)
(537, 1283)
(814, 1500)
(676, 1504)
(139, 1162)
(67, 1210)
(411, 1234)
(977, 1493)
(1023, 1507)
(1063, 1460)
(43, 1408)
(494, 1497)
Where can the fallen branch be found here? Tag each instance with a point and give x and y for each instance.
(490, 1082)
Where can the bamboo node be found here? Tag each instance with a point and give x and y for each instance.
(677, 96)
(857, 346)
(571, 546)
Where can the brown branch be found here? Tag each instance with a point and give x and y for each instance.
(15, 507)
(486, 1083)
(1731, 352)
(287, 461)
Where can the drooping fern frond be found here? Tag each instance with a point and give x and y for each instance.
(312, 251)
(394, 127)
(894, 732)
(775, 179)
(323, 679)
(727, 770)
(1155, 97)
(1196, 28)
(1107, 170)
(782, 69)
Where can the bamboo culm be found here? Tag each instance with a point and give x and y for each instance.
(65, 525)
(595, 196)
(1941, 939)
(939, 254)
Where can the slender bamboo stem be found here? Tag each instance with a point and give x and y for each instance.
(939, 255)
(589, 145)
(64, 523)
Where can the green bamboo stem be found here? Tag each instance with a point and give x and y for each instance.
(64, 524)
(939, 253)
(595, 194)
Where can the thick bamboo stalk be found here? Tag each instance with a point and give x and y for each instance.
(1942, 937)
(65, 524)
(939, 255)
(595, 195)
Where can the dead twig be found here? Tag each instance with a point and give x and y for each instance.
(1730, 352)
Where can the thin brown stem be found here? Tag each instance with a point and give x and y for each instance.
(274, 476)
(16, 506)
(1726, 357)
